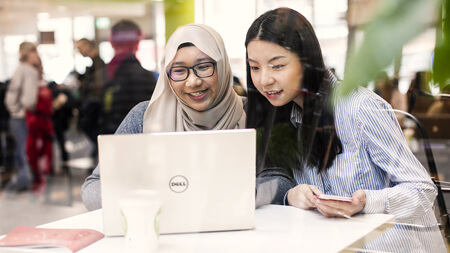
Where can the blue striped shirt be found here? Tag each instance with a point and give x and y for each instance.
(377, 159)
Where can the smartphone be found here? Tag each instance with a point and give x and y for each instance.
(333, 197)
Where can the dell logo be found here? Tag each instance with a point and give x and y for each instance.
(178, 184)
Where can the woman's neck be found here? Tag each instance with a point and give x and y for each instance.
(299, 101)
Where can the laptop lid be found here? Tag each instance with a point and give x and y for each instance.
(206, 178)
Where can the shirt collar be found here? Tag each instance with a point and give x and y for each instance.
(296, 115)
(297, 112)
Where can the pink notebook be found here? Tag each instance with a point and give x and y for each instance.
(41, 238)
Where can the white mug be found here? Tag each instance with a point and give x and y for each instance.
(140, 210)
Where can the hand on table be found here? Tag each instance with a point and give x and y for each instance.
(303, 196)
(333, 208)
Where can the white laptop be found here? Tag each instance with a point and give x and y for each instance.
(206, 178)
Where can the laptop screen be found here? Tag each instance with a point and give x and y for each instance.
(206, 178)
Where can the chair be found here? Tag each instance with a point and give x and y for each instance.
(445, 221)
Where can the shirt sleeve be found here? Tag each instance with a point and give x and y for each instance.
(90, 190)
(30, 89)
(411, 192)
(272, 185)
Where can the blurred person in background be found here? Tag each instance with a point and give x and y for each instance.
(388, 89)
(419, 101)
(39, 148)
(238, 87)
(128, 83)
(91, 83)
(93, 78)
(6, 140)
(63, 104)
(21, 95)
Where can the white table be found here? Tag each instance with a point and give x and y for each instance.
(277, 229)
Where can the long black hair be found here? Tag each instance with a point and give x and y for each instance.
(280, 143)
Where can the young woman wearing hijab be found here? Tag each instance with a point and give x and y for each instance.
(352, 146)
(195, 93)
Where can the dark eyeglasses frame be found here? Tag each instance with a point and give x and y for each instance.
(193, 69)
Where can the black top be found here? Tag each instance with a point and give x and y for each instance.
(131, 84)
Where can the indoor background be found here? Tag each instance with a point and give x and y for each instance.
(55, 25)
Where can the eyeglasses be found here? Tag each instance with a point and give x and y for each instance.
(181, 73)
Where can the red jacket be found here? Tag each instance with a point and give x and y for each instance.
(40, 120)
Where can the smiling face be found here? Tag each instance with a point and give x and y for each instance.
(276, 72)
(198, 93)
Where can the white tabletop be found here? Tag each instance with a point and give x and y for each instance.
(277, 229)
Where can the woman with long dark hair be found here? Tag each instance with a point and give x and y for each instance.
(350, 146)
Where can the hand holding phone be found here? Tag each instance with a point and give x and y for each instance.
(333, 197)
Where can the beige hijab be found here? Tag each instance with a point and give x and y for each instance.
(168, 113)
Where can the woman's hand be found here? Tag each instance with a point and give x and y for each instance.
(303, 196)
(333, 208)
